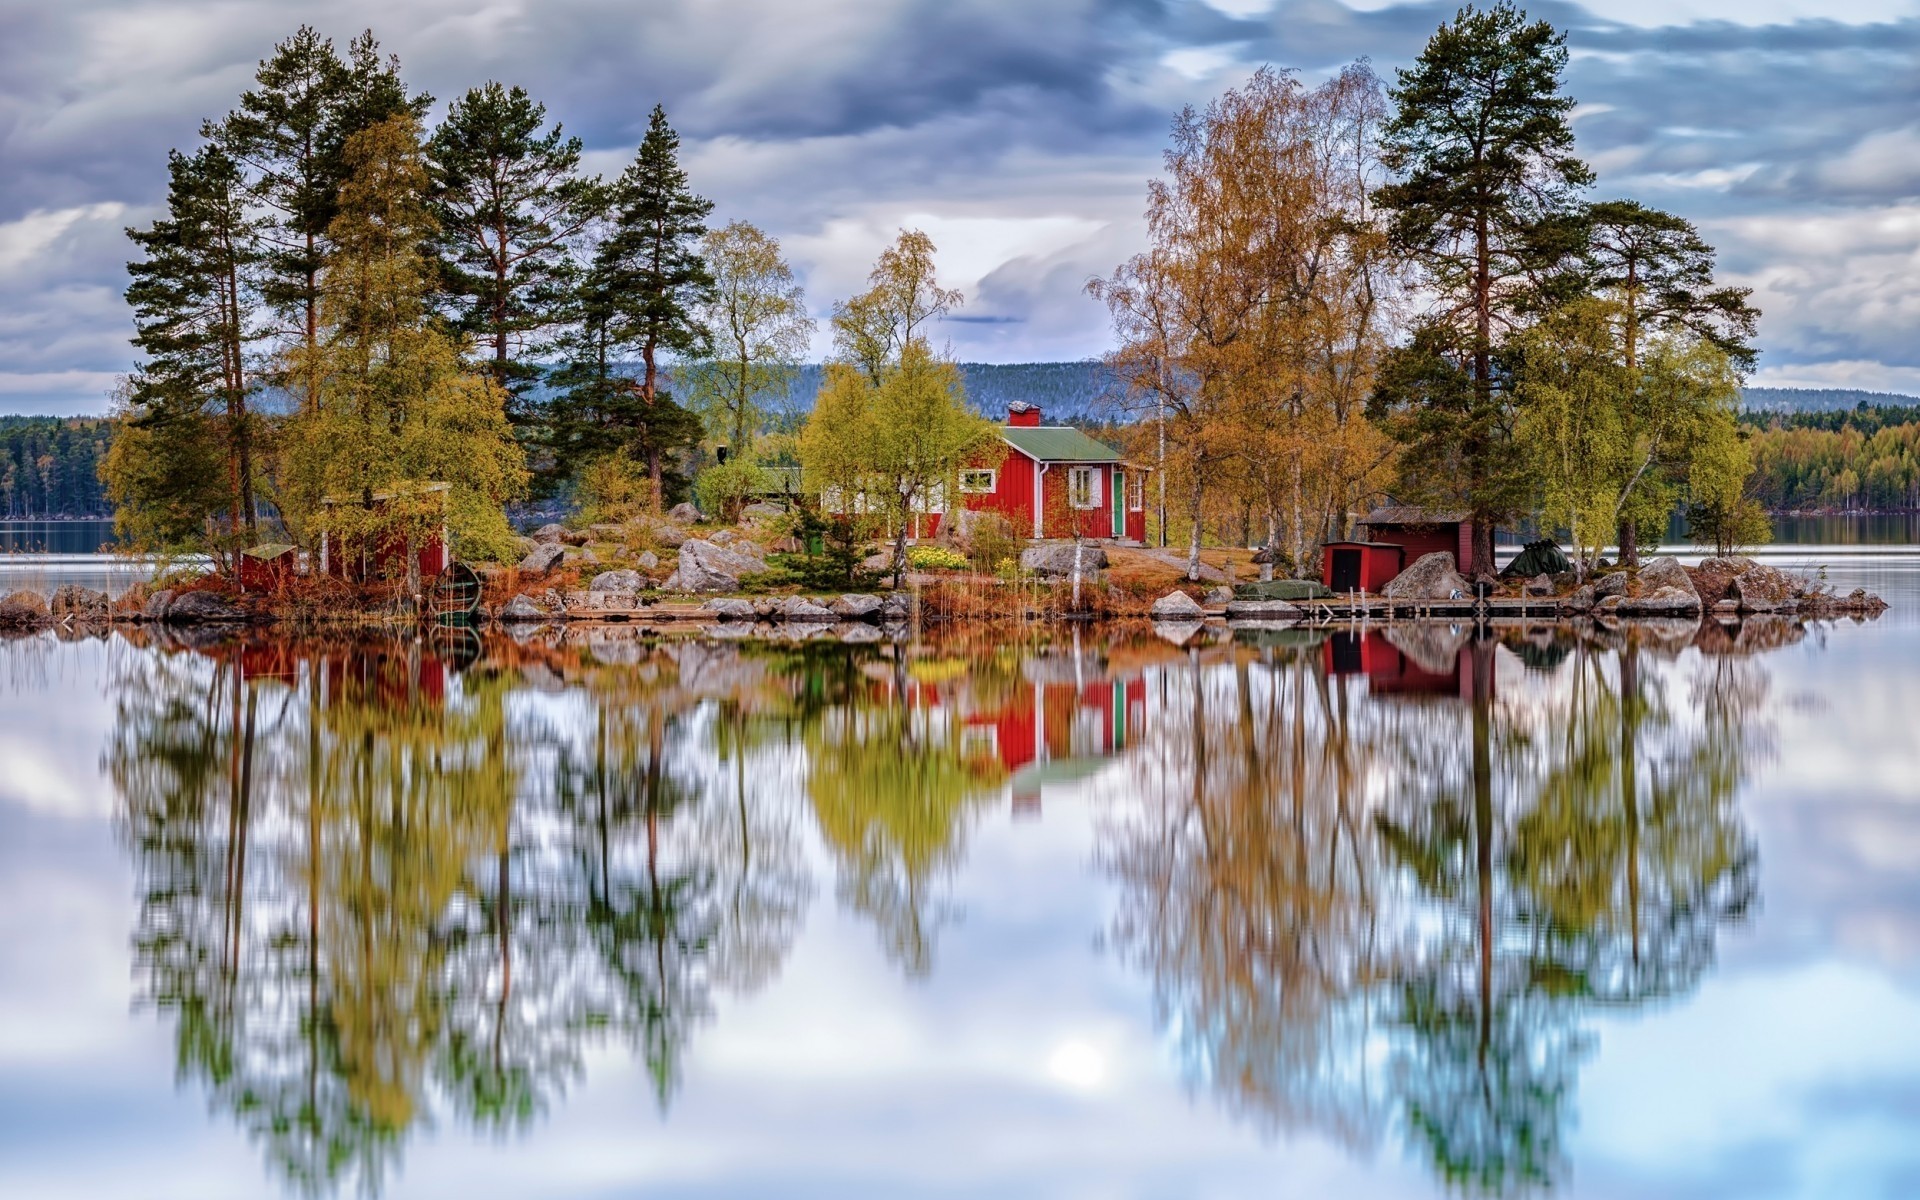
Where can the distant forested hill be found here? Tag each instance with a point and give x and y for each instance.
(49, 467)
(1084, 391)
(1762, 399)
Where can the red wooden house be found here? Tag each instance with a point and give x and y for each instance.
(1053, 481)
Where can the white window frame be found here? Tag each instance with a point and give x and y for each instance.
(993, 481)
(1092, 477)
(1136, 491)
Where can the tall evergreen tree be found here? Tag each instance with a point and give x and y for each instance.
(652, 268)
(187, 402)
(509, 198)
(290, 134)
(1483, 148)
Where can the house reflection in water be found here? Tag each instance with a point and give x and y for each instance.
(1409, 660)
(1060, 722)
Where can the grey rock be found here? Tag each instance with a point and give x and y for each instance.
(617, 581)
(1177, 606)
(203, 608)
(730, 609)
(543, 558)
(1264, 610)
(1431, 577)
(856, 606)
(705, 567)
(1662, 602)
(1665, 573)
(521, 608)
(76, 601)
(1058, 559)
(684, 513)
(799, 608)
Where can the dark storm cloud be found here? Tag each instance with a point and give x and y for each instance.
(832, 122)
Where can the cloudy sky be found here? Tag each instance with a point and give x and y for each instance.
(1019, 133)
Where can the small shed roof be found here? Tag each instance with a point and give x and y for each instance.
(1058, 443)
(1404, 514)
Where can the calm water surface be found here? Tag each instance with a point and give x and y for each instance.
(1397, 915)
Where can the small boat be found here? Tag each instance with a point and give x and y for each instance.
(456, 593)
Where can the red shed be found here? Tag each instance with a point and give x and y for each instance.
(385, 556)
(1360, 566)
(1421, 531)
(266, 568)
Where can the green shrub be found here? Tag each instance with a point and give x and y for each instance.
(724, 490)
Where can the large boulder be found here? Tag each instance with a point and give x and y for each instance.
(1665, 573)
(521, 608)
(203, 608)
(1760, 588)
(705, 567)
(617, 581)
(1059, 559)
(1661, 602)
(799, 608)
(1177, 606)
(731, 609)
(1431, 577)
(684, 513)
(855, 606)
(81, 603)
(23, 610)
(666, 535)
(543, 558)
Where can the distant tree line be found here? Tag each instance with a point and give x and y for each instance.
(1864, 459)
(50, 467)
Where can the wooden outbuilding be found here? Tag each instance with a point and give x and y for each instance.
(1360, 566)
(1421, 531)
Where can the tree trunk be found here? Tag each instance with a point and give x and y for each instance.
(1193, 539)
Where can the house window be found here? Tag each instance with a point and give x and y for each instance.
(1083, 487)
(976, 482)
(1137, 492)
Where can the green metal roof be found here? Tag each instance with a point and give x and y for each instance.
(1058, 443)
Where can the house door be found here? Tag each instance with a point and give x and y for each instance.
(1346, 571)
(1119, 503)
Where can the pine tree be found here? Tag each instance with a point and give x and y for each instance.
(397, 406)
(290, 134)
(509, 199)
(1483, 146)
(652, 270)
(187, 402)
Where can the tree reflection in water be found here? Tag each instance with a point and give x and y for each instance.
(1392, 911)
(383, 880)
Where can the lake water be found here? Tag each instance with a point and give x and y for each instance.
(1393, 914)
